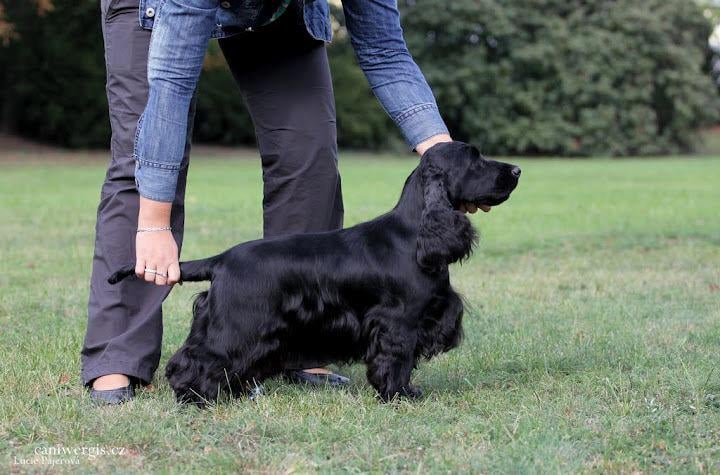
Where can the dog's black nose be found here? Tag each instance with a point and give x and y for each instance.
(515, 172)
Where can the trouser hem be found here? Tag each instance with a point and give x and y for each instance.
(142, 373)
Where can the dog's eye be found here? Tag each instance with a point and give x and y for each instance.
(477, 164)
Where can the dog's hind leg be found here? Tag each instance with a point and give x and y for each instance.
(187, 373)
(200, 374)
(200, 370)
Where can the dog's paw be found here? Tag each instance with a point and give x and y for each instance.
(190, 397)
(411, 392)
(407, 392)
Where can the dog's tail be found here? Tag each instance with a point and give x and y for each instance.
(197, 271)
(190, 271)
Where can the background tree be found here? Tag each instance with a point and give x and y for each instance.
(711, 10)
(566, 77)
(52, 73)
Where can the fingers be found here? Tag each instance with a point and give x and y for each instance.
(157, 257)
(150, 272)
(140, 268)
(155, 273)
(173, 273)
(472, 208)
(161, 275)
(468, 208)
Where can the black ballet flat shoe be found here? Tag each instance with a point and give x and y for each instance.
(112, 397)
(299, 376)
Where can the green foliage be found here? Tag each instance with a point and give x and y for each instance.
(52, 76)
(567, 77)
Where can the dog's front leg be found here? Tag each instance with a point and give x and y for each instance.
(390, 361)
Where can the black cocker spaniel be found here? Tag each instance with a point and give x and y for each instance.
(378, 292)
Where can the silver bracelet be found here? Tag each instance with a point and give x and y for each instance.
(154, 230)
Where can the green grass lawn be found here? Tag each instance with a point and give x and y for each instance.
(592, 334)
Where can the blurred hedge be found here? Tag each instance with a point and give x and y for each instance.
(52, 75)
(569, 77)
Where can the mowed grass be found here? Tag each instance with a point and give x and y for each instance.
(592, 332)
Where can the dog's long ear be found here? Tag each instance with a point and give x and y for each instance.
(446, 235)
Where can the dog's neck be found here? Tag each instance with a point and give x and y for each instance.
(410, 205)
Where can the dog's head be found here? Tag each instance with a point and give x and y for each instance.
(451, 174)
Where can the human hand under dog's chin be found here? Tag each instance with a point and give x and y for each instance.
(472, 208)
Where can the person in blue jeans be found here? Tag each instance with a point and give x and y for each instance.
(275, 49)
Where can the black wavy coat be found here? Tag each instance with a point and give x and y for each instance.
(378, 292)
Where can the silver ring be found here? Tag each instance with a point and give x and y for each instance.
(150, 271)
(160, 274)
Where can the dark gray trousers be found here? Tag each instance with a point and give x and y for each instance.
(284, 77)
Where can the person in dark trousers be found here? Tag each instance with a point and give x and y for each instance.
(276, 52)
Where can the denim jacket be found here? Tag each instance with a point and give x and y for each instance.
(182, 29)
